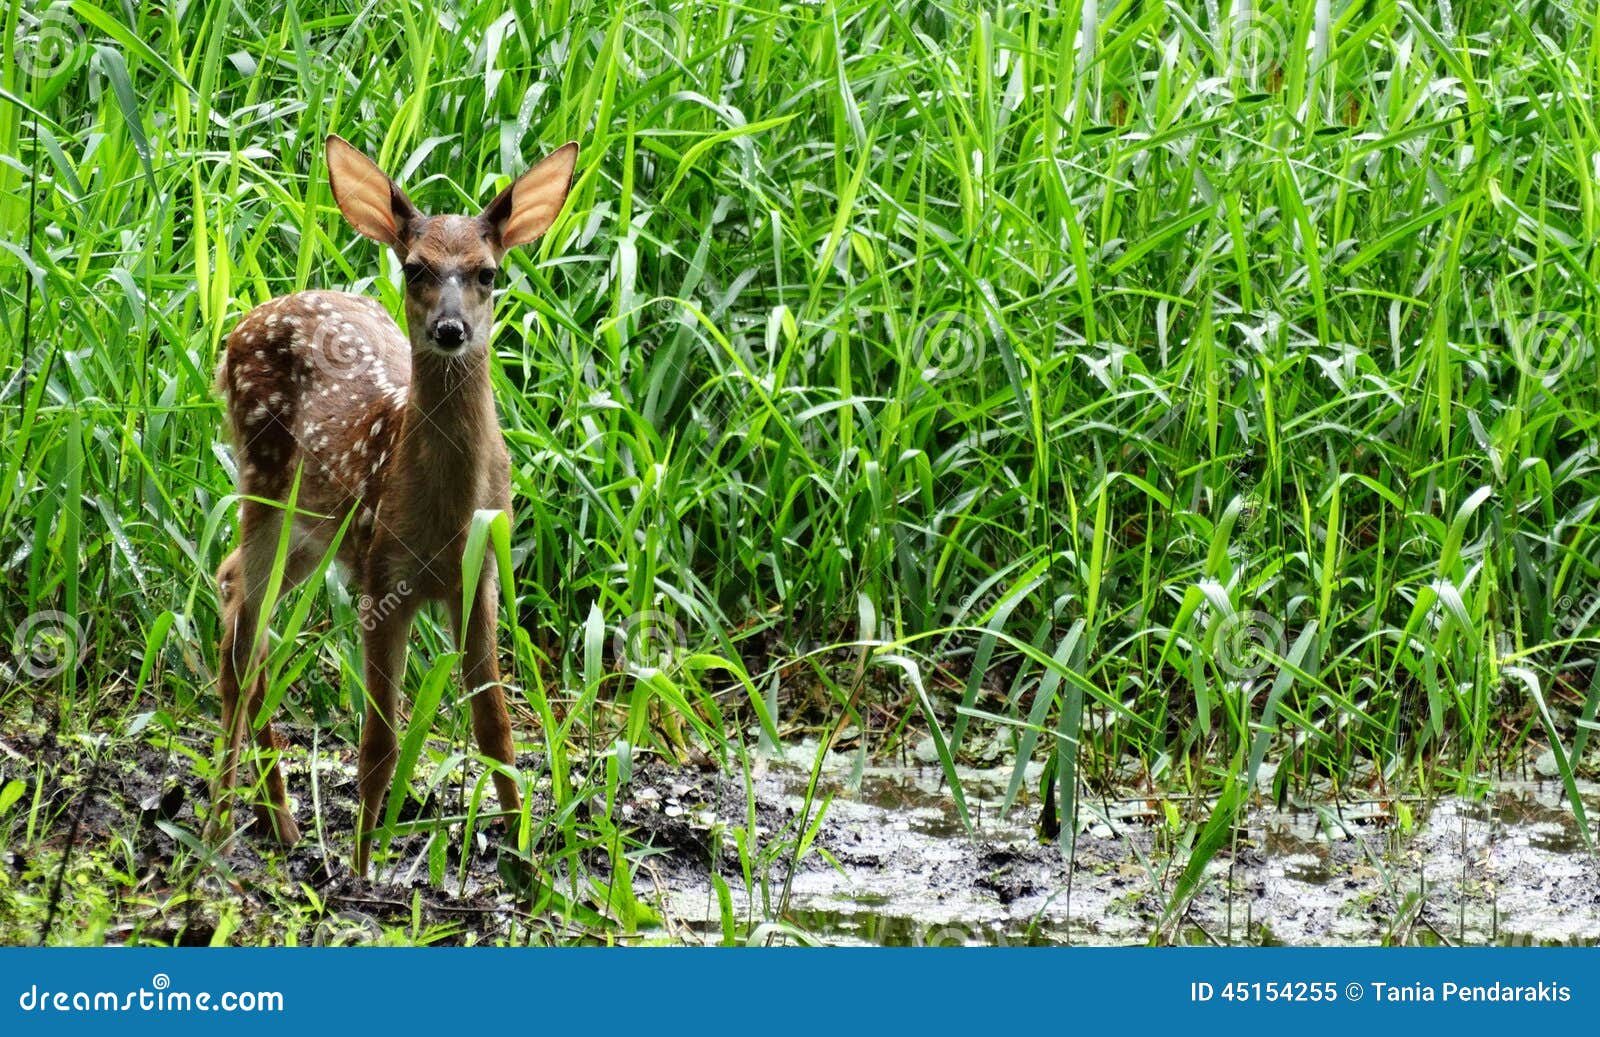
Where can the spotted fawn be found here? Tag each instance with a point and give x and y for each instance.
(391, 435)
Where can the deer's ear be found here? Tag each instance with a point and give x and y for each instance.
(527, 208)
(372, 203)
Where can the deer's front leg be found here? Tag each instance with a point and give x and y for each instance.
(386, 624)
(491, 723)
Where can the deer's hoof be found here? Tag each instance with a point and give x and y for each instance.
(277, 824)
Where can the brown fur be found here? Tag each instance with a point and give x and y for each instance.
(395, 433)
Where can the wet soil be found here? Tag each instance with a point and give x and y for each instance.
(887, 861)
(1508, 869)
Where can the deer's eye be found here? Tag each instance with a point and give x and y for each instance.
(413, 271)
(486, 276)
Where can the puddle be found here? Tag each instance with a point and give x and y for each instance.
(1510, 869)
(891, 863)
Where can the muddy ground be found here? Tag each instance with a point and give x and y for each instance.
(890, 863)
(1511, 869)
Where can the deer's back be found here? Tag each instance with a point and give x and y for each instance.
(320, 378)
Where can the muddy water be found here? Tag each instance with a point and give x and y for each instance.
(891, 862)
(1507, 869)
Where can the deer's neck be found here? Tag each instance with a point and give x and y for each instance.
(449, 419)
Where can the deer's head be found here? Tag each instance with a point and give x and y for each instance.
(451, 262)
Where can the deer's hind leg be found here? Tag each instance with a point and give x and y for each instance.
(242, 582)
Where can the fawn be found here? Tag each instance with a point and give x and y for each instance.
(329, 401)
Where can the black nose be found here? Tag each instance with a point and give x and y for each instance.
(449, 333)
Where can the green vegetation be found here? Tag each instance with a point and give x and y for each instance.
(1154, 393)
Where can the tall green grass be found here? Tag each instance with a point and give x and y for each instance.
(1161, 388)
